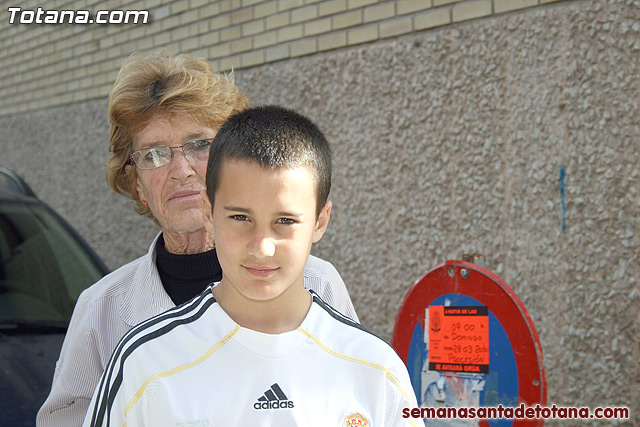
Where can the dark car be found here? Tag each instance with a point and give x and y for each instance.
(44, 266)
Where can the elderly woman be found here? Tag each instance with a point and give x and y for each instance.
(164, 111)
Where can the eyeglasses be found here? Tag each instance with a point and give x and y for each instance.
(155, 157)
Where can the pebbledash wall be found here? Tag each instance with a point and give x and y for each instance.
(452, 123)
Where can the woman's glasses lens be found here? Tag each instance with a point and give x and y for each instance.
(155, 157)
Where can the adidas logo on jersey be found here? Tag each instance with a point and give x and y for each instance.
(274, 398)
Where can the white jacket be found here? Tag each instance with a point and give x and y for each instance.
(112, 306)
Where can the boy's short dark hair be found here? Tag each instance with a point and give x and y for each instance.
(274, 137)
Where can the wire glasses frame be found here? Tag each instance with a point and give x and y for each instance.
(155, 157)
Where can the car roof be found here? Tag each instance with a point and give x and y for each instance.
(13, 182)
(11, 196)
(13, 188)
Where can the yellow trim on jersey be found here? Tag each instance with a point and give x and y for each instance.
(178, 369)
(374, 365)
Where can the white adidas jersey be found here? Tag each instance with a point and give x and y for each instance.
(194, 366)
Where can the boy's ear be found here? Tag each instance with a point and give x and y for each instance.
(323, 221)
(207, 213)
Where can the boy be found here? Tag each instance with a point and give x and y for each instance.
(257, 349)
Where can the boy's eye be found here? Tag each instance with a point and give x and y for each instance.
(285, 221)
(239, 217)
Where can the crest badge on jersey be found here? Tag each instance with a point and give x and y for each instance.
(355, 420)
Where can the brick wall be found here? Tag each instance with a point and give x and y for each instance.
(45, 65)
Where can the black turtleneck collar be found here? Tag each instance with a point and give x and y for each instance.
(185, 276)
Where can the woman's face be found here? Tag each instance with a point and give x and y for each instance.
(173, 191)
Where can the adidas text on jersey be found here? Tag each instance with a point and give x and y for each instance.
(274, 398)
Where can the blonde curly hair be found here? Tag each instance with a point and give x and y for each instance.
(160, 83)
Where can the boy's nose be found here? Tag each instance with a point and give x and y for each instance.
(262, 246)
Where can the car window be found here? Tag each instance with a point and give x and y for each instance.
(43, 268)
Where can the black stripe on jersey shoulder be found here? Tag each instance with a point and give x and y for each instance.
(139, 337)
(335, 313)
(342, 318)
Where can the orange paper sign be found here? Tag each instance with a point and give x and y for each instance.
(459, 339)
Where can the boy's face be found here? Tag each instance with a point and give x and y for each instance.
(265, 222)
